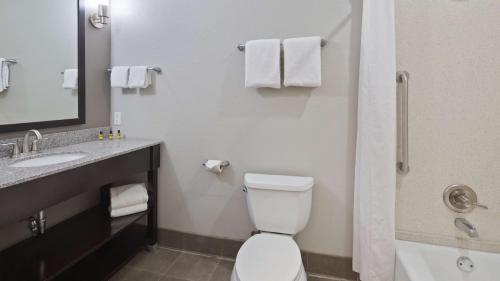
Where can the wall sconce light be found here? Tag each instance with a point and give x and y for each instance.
(101, 18)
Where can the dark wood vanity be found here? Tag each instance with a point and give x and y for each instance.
(90, 245)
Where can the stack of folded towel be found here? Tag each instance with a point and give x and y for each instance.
(4, 74)
(135, 77)
(128, 199)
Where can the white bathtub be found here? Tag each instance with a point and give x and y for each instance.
(423, 262)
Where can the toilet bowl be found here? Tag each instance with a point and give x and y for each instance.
(279, 207)
(269, 257)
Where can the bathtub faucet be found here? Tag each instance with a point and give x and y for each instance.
(466, 227)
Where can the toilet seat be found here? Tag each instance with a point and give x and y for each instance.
(269, 257)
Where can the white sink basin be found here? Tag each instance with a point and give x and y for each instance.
(46, 160)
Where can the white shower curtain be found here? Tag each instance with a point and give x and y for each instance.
(375, 177)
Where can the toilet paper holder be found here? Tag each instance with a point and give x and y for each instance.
(223, 164)
(218, 169)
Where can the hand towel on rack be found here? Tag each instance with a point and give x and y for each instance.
(70, 79)
(262, 63)
(4, 74)
(139, 77)
(302, 62)
(128, 195)
(128, 210)
(119, 76)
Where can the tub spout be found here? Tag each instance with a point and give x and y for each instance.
(466, 227)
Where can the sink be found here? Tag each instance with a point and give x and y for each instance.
(46, 160)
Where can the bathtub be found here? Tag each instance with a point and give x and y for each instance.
(424, 262)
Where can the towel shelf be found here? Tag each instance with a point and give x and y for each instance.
(241, 47)
(156, 69)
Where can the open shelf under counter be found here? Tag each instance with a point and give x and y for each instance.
(74, 245)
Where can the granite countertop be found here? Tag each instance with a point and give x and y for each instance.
(96, 151)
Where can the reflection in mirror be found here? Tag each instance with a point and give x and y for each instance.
(42, 36)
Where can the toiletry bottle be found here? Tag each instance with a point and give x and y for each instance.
(101, 136)
(118, 134)
(110, 136)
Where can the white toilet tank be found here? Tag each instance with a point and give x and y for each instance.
(280, 204)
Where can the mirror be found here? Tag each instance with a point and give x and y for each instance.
(42, 69)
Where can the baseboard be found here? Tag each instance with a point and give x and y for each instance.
(339, 267)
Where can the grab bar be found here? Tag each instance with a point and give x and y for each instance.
(403, 77)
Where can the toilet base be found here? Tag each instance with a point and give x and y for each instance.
(301, 277)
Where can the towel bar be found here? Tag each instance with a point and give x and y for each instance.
(156, 69)
(11, 61)
(241, 47)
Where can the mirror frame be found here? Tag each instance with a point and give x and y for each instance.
(81, 85)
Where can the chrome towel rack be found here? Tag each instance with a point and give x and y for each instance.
(11, 61)
(156, 69)
(403, 77)
(241, 47)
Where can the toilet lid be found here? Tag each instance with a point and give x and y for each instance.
(268, 257)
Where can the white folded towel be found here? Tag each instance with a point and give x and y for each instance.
(129, 210)
(262, 63)
(119, 76)
(128, 195)
(302, 62)
(70, 79)
(4, 75)
(139, 77)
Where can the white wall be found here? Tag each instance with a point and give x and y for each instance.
(451, 49)
(42, 36)
(200, 109)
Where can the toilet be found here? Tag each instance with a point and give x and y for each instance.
(279, 207)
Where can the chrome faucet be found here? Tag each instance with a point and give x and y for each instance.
(34, 146)
(466, 227)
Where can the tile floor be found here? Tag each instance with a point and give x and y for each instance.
(172, 265)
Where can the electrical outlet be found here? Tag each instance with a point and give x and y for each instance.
(118, 119)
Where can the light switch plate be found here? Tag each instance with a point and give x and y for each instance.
(118, 119)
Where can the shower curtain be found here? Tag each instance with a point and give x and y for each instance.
(375, 176)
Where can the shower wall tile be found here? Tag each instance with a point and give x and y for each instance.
(450, 49)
